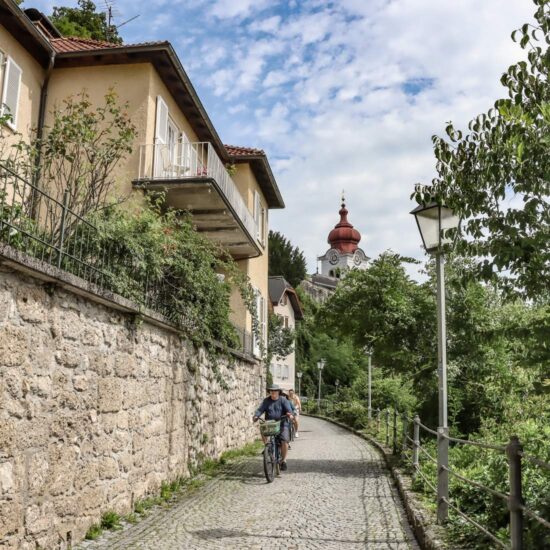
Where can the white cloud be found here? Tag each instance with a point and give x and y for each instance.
(320, 86)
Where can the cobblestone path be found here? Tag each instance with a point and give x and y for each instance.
(336, 494)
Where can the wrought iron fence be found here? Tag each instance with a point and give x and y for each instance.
(36, 223)
(402, 434)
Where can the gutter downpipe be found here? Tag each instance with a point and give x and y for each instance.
(40, 129)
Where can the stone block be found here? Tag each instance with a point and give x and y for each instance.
(14, 346)
(7, 484)
(108, 468)
(110, 392)
(7, 305)
(38, 518)
(91, 499)
(87, 474)
(69, 355)
(8, 437)
(32, 434)
(125, 365)
(32, 303)
(11, 518)
(37, 472)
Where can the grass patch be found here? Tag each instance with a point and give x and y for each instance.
(141, 506)
(110, 520)
(250, 449)
(93, 532)
(131, 518)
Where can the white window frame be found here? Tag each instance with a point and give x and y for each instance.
(6, 72)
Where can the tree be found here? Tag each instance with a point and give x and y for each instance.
(497, 176)
(84, 22)
(280, 340)
(74, 162)
(286, 260)
(382, 307)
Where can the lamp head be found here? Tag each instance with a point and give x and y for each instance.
(433, 220)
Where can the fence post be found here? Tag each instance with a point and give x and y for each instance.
(62, 229)
(394, 442)
(387, 427)
(442, 474)
(378, 421)
(416, 439)
(405, 430)
(515, 501)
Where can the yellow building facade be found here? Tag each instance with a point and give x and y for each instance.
(228, 190)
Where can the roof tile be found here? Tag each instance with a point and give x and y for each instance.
(75, 44)
(237, 151)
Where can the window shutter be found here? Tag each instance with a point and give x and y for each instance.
(264, 324)
(257, 209)
(161, 129)
(161, 153)
(10, 93)
(256, 337)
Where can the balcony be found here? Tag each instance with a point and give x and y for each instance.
(195, 179)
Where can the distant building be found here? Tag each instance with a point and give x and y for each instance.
(344, 254)
(287, 306)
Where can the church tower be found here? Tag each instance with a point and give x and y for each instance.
(344, 252)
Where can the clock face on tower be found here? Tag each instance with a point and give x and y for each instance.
(333, 257)
(358, 258)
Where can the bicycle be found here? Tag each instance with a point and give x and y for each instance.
(292, 431)
(272, 450)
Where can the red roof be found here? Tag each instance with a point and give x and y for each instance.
(74, 44)
(237, 151)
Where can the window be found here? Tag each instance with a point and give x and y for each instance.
(285, 375)
(279, 371)
(286, 321)
(10, 90)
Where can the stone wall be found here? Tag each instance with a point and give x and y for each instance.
(96, 411)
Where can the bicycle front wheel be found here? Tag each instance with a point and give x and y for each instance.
(269, 463)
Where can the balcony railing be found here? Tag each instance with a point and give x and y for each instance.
(182, 160)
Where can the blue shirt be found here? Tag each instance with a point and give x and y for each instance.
(274, 410)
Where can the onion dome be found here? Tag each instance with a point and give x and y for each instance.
(344, 237)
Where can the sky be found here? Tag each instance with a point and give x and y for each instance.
(341, 95)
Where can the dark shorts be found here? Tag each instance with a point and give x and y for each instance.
(284, 434)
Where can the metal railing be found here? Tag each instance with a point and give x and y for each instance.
(402, 435)
(402, 442)
(45, 228)
(183, 160)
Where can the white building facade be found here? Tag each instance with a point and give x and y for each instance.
(286, 305)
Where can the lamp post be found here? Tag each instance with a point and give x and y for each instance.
(320, 366)
(368, 351)
(337, 383)
(433, 221)
(299, 376)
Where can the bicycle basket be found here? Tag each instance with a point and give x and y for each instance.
(270, 427)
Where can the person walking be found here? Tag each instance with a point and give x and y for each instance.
(295, 400)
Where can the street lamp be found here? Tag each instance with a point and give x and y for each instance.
(337, 383)
(434, 220)
(299, 376)
(320, 366)
(368, 352)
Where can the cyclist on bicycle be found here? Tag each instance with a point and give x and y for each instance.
(297, 405)
(276, 407)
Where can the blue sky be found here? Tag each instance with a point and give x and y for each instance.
(340, 94)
